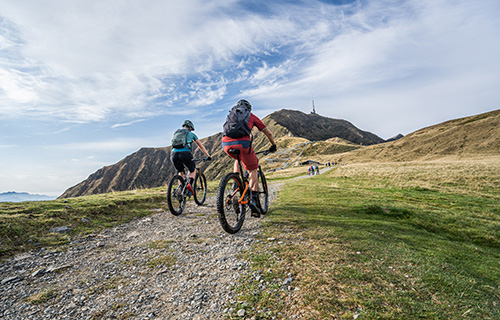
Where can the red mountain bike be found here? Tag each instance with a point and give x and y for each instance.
(177, 192)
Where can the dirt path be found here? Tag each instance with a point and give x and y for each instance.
(321, 171)
(117, 273)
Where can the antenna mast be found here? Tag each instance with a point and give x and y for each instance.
(314, 110)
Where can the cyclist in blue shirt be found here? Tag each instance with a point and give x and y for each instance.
(181, 156)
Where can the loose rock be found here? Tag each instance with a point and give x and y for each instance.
(158, 267)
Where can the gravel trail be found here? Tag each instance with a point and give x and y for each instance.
(124, 272)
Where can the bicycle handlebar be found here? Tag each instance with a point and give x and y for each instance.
(265, 152)
(201, 159)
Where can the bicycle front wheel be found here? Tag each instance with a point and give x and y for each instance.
(200, 189)
(263, 192)
(231, 212)
(176, 201)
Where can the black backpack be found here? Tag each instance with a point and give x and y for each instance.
(179, 139)
(236, 125)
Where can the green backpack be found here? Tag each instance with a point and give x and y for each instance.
(179, 140)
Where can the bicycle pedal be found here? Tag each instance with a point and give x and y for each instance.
(236, 207)
(255, 209)
(256, 214)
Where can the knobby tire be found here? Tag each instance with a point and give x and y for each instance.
(175, 200)
(263, 192)
(230, 220)
(200, 189)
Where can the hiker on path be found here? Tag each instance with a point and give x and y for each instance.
(181, 151)
(317, 169)
(237, 130)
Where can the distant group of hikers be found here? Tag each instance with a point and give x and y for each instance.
(313, 170)
(236, 135)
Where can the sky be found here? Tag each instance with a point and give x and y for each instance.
(84, 83)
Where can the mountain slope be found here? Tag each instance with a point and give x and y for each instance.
(146, 168)
(133, 172)
(477, 135)
(314, 127)
(151, 167)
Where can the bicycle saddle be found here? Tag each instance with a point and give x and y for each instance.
(234, 151)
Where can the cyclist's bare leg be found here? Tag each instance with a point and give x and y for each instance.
(236, 167)
(254, 186)
(254, 180)
(181, 174)
(191, 175)
(253, 176)
(190, 181)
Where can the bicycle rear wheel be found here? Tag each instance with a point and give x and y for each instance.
(231, 213)
(200, 189)
(176, 201)
(263, 192)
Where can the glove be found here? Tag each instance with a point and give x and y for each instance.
(273, 148)
(209, 159)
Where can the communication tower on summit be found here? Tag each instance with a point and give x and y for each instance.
(314, 110)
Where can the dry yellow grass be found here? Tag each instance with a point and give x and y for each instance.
(450, 174)
(463, 138)
(470, 175)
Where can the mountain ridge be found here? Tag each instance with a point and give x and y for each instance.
(12, 196)
(151, 167)
(477, 135)
(300, 124)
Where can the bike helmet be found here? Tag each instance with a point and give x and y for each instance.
(188, 125)
(245, 103)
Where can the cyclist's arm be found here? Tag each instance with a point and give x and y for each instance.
(269, 135)
(202, 148)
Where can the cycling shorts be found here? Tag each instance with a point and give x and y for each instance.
(247, 155)
(179, 159)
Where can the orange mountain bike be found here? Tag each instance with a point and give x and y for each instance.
(234, 194)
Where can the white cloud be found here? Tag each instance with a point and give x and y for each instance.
(436, 57)
(208, 96)
(17, 86)
(99, 58)
(126, 124)
(387, 66)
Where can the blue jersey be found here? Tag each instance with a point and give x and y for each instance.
(189, 139)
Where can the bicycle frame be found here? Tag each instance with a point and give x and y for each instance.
(197, 170)
(177, 190)
(234, 194)
(244, 179)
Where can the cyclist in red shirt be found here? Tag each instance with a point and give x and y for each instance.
(247, 154)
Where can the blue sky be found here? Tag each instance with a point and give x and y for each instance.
(85, 83)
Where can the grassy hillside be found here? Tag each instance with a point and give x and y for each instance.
(407, 229)
(381, 241)
(465, 137)
(392, 240)
(27, 225)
